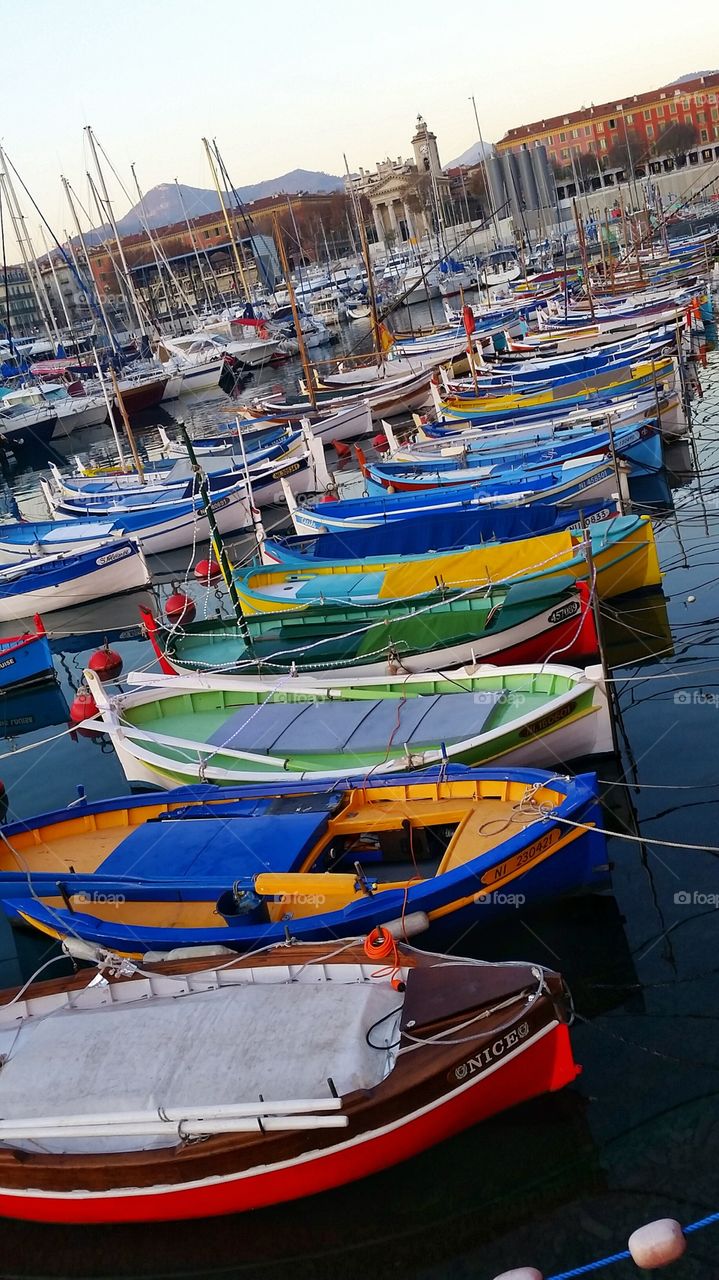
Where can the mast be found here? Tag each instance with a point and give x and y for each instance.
(239, 270)
(58, 290)
(155, 258)
(8, 324)
(485, 175)
(27, 251)
(106, 199)
(306, 369)
(193, 241)
(364, 245)
(91, 278)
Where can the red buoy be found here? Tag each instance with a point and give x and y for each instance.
(380, 442)
(342, 450)
(106, 663)
(207, 571)
(179, 608)
(83, 707)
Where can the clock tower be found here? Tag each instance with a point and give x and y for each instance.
(426, 155)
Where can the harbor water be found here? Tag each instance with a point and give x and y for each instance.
(561, 1181)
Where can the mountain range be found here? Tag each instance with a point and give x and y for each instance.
(163, 204)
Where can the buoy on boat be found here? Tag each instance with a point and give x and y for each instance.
(521, 1273)
(179, 608)
(380, 442)
(657, 1243)
(106, 663)
(207, 571)
(83, 706)
(342, 450)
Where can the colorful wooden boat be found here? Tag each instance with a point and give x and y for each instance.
(447, 531)
(26, 659)
(59, 581)
(518, 622)
(623, 551)
(447, 850)
(612, 382)
(298, 1071)
(347, 514)
(591, 479)
(493, 452)
(179, 729)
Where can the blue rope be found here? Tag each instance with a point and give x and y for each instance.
(591, 1266)
(703, 1222)
(622, 1257)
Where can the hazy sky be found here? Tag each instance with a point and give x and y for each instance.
(294, 83)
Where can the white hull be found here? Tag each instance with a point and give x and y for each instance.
(202, 377)
(118, 569)
(542, 747)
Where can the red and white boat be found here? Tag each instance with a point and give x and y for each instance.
(240, 1083)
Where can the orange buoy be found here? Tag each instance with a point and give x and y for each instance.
(207, 571)
(83, 706)
(106, 663)
(380, 442)
(179, 608)
(342, 450)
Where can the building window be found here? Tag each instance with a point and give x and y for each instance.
(630, 119)
(612, 123)
(715, 113)
(672, 108)
(600, 126)
(650, 130)
(660, 111)
(587, 131)
(704, 135)
(575, 133)
(603, 144)
(701, 117)
(699, 99)
(562, 137)
(550, 140)
(647, 115)
(565, 153)
(686, 104)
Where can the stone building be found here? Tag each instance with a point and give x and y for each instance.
(406, 196)
(19, 301)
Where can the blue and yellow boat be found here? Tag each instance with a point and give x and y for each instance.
(428, 853)
(623, 550)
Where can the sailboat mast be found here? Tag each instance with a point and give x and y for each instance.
(306, 369)
(193, 242)
(27, 251)
(58, 290)
(153, 247)
(240, 274)
(91, 278)
(364, 245)
(110, 215)
(8, 322)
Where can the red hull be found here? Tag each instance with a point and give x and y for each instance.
(543, 1066)
(146, 396)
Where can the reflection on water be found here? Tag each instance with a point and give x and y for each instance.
(562, 1180)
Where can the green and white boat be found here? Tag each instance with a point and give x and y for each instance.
(180, 729)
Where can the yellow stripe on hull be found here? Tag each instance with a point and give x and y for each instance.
(629, 564)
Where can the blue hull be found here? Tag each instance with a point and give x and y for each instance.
(25, 661)
(183, 845)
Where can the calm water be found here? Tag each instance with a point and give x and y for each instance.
(561, 1181)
